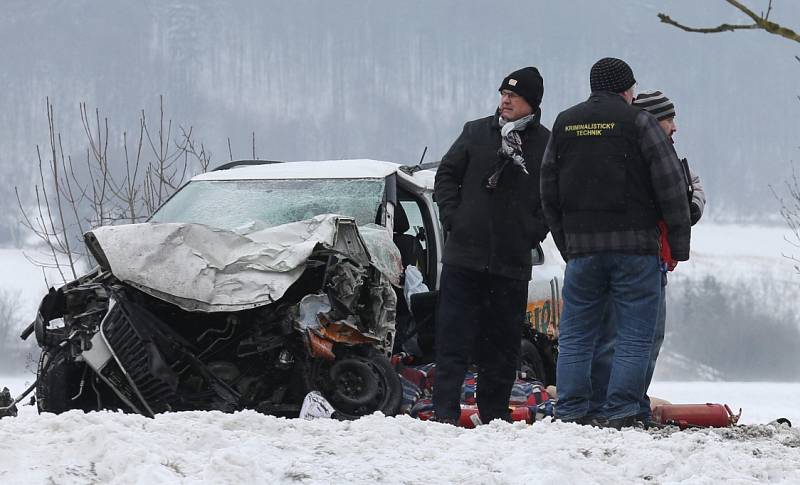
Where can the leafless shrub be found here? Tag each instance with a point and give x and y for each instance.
(789, 200)
(112, 183)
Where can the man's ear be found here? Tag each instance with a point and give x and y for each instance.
(628, 94)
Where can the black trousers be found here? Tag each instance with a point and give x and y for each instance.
(479, 319)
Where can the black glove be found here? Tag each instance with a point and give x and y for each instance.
(694, 213)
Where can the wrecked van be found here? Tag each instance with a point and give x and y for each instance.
(259, 282)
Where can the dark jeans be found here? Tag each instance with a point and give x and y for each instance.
(604, 355)
(479, 319)
(631, 285)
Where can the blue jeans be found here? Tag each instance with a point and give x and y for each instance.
(601, 362)
(631, 286)
(604, 355)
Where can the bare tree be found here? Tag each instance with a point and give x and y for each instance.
(790, 204)
(790, 212)
(759, 22)
(112, 183)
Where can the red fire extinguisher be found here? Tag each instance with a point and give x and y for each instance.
(696, 415)
(470, 418)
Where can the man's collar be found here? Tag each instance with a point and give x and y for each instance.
(607, 94)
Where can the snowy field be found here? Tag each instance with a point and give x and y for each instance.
(211, 447)
(199, 447)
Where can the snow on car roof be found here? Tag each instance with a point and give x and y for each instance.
(322, 169)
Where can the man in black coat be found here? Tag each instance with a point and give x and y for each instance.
(487, 189)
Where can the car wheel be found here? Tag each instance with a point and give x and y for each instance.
(354, 382)
(362, 384)
(531, 362)
(390, 388)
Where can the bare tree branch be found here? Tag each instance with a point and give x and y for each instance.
(790, 211)
(760, 22)
(113, 186)
(705, 30)
(769, 10)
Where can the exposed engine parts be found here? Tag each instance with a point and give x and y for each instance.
(109, 345)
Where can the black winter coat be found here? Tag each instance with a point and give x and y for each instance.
(491, 230)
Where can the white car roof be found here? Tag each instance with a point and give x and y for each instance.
(322, 169)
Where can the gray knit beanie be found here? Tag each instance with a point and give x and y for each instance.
(655, 103)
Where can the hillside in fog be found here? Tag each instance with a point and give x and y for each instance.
(317, 79)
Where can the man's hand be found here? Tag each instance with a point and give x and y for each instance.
(671, 264)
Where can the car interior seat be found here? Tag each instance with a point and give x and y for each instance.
(411, 250)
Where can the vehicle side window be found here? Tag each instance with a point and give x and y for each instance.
(414, 216)
(411, 234)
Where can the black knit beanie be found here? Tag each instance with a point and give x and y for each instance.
(610, 74)
(655, 103)
(528, 83)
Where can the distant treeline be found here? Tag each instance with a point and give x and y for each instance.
(725, 327)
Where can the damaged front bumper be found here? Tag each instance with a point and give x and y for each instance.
(224, 341)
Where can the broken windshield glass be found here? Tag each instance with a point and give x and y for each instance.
(249, 205)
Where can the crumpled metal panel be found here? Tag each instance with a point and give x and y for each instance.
(202, 268)
(383, 301)
(384, 254)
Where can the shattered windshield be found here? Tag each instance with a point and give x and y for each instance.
(250, 205)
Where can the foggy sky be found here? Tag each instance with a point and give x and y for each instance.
(316, 79)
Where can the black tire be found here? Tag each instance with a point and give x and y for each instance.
(531, 362)
(60, 382)
(382, 393)
(390, 381)
(354, 383)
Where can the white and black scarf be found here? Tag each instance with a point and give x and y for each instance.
(510, 148)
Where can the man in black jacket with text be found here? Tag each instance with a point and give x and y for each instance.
(487, 189)
(608, 177)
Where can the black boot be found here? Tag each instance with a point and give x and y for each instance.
(444, 420)
(626, 422)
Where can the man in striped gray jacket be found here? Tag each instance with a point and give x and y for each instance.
(660, 106)
(609, 174)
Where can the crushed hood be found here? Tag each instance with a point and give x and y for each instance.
(198, 267)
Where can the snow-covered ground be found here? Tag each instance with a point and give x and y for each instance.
(245, 447)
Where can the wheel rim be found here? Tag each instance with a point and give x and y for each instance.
(355, 383)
